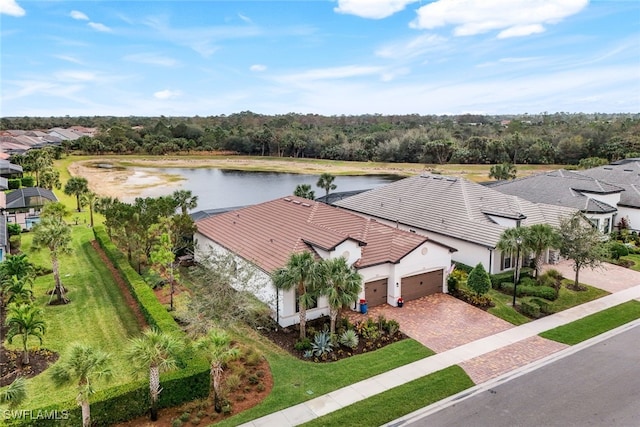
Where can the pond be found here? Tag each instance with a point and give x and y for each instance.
(220, 188)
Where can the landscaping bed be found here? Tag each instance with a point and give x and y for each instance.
(287, 338)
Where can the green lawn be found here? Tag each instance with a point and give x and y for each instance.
(399, 401)
(636, 261)
(566, 299)
(595, 324)
(296, 381)
(97, 314)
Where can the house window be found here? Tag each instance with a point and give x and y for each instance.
(607, 226)
(595, 222)
(506, 260)
(314, 305)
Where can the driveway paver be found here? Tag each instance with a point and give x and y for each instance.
(609, 277)
(440, 321)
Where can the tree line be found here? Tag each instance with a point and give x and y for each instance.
(560, 138)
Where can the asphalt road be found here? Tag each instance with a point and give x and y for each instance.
(597, 386)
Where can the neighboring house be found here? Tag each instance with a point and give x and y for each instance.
(23, 206)
(393, 262)
(8, 170)
(625, 174)
(598, 200)
(4, 240)
(456, 212)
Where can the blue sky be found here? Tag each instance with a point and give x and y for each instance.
(336, 57)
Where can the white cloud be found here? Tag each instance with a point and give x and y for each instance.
(167, 94)
(151, 59)
(245, 18)
(68, 59)
(83, 76)
(372, 9)
(10, 7)
(76, 14)
(415, 47)
(99, 27)
(258, 67)
(511, 17)
(334, 73)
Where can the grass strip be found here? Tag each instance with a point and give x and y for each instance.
(595, 324)
(297, 381)
(387, 406)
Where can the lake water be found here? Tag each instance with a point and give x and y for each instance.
(218, 188)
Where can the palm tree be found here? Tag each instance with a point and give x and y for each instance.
(155, 352)
(304, 191)
(185, 200)
(340, 283)
(25, 320)
(17, 265)
(326, 181)
(298, 274)
(83, 365)
(511, 241)
(18, 290)
(76, 186)
(218, 350)
(15, 393)
(503, 171)
(53, 233)
(539, 238)
(91, 200)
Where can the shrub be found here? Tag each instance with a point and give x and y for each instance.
(545, 292)
(463, 267)
(617, 250)
(14, 184)
(545, 306)
(392, 327)
(349, 338)
(28, 181)
(15, 242)
(14, 229)
(530, 309)
(176, 422)
(452, 284)
(303, 344)
(482, 301)
(528, 281)
(479, 281)
(233, 381)
(498, 279)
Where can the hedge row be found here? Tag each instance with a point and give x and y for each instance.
(15, 183)
(507, 276)
(545, 292)
(130, 400)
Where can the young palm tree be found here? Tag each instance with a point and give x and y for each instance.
(185, 200)
(15, 393)
(340, 283)
(304, 191)
(83, 365)
(539, 238)
(326, 181)
(298, 274)
(26, 321)
(53, 233)
(155, 352)
(217, 348)
(17, 265)
(91, 200)
(18, 290)
(76, 186)
(511, 241)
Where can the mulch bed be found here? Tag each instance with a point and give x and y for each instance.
(286, 338)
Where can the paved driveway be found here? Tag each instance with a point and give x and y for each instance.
(440, 322)
(610, 277)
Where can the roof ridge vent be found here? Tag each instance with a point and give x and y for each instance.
(306, 205)
(297, 202)
(287, 199)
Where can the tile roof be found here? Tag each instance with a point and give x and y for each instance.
(451, 206)
(21, 198)
(267, 233)
(561, 187)
(624, 173)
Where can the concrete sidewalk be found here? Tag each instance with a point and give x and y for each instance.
(345, 396)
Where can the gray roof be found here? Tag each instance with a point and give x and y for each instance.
(332, 198)
(452, 207)
(624, 173)
(8, 168)
(29, 197)
(562, 188)
(206, 213)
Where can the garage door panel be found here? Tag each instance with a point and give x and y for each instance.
(375, 292)
(420, 285)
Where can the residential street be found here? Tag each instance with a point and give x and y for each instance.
(597, 386)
